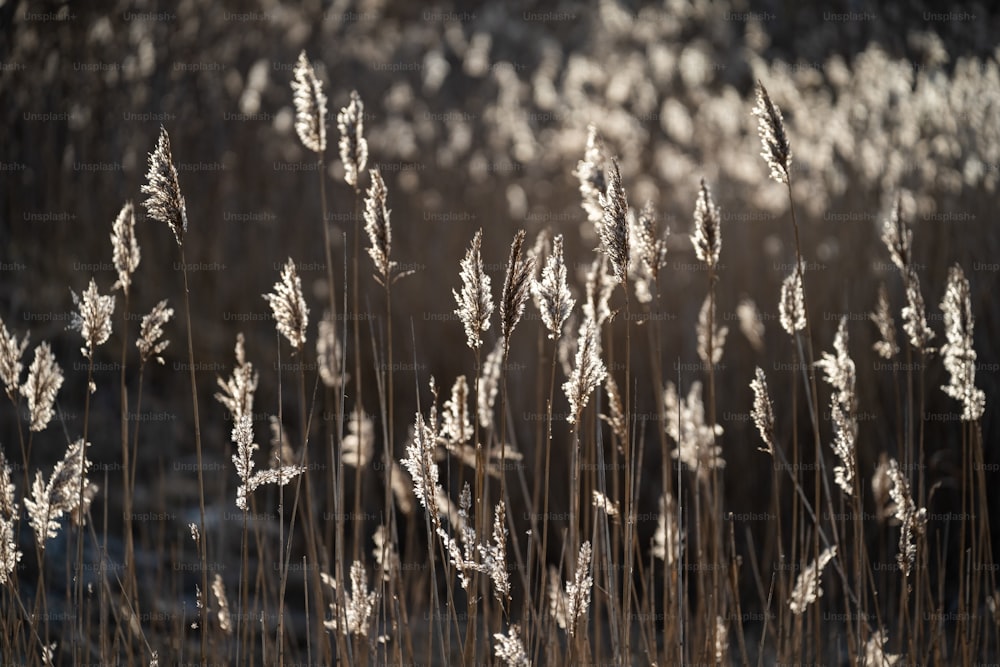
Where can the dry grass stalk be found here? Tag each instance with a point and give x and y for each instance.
(808, 585)
(310, 105)
(840, 375)
(242, 435)
(40, 389)
(149, 343)
(11, 352)
(124, 248)
(958, 354)
(353, 145)
(165, 202)
(61, 495)
(475, 303)
(613, 231)
(763, 411)
(771, 128)
(291, 314)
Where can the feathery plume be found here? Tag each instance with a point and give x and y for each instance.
(291, 314)
(707, 237)
(911, 519)
(616, 413)
(588, 372)
(875, 654)
(650, 246)
(489, 385)
(613, 231)
(763, 411)
(359, 604)
(569, 606)
(475, 303)
(385, 553)
(40, 389)
(509, 649)
(242, 435)
(11, 352)
(310, 105)
(10, 555)
(602, 502)
(599, 287)
(685, 424)
(237, 392)
(717, 335)
(60, 496)
(419, 462)
(149, 343)
(516, 286)
(165, 203)
(882, 317)
(839, 369)
(808, 585)
(378, 228)
(668, 542)
(897, 237)
(353, 145)
(551, 293)
(124, 248)
(791, 307)
(329, 353)
(958, 353)
(914, 314)
(93, 320)
(455, 425)
(721, 640)
(358, 444)
(881, 489)
(593, 176)
(219, 590)
(771, 129)
(750, 324)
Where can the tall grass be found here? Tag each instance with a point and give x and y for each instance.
(565, 561)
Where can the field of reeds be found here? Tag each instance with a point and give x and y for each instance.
(609, 334)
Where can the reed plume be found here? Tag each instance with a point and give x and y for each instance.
(763, 410)
(40, 389)
(475, 303)
(613, 231)
(516, 286)
(958, 353)
(359, 604)
(771, 129)
(11, 351)
(808, 585)
(353, 145)
(61, 495)
(149, 343)
(93, 320)
(839, 369)
(165, 202)
(588, 371)
(911, 519)
(291, 314)
(238, 391)
(378, 228)
(551, 293)
(329, 353)
(509, 648)
(310, 105)
(592, 174)
(791, 307)
(707, 237)
(124, 248)
(886, 347)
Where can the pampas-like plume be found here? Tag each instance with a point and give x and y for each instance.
(717, 335)
(569, 606)
(243, 458)
(914, 314)
(291, 314)
(882, 317)
(875, 654)
(516, 287)
(599, 287)
(958, 353)
(839, 369)
(650, 245)
(11, 352)
(771, 129)
(593, 177)
(93, 320)
(791, 307)
(455, 425)
(149, 343)
(353, 145)
(881, 489)
(588, 372)
(475, 303)
(750, 324)
(419, 462)
(40, 389)
(60, 496)
(509, 649)
(613, 231)
(237, 392)
(668, 542)
(124, 248)
(10, 555)
(897, 237)
(763, 410)
(310, 105)
(685, 424)
(616, 413)
(602, 502)
(358, 604)
(911, 519)
(329, 353)
(489, 385)
(385, 553)
(707, 237)
(358, 444)
(808, 585)
(165, 202)
(219, 590)
(378, 228)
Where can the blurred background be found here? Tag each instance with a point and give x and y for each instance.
(476, 114)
